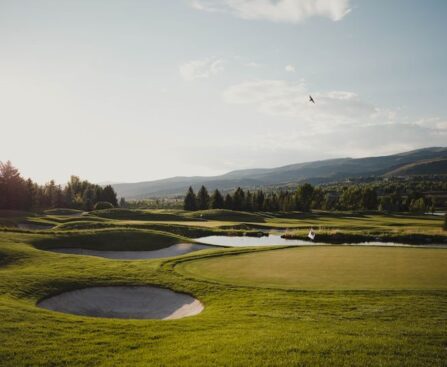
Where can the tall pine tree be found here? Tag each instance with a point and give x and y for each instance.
(203, 199)
(217, 200)
(190, 200)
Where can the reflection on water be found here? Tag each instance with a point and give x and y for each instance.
(272, 240)
(238, 241)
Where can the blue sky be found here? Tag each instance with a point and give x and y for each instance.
(138, 90)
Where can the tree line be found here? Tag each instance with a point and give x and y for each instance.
(17, 193)
(307, 197)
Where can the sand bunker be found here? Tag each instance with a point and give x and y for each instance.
(139, 302)
(175, 250)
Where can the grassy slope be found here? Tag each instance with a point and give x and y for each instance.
(117, 239)
(226, 215)
(136, 214)
(63, 211)
(243, 326)
(240, 326)
(330, 268)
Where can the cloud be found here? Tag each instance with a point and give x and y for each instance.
(290, 68)
(434, 123)
(290, 11)
(339, 124)
(291, 100)
(201, 69)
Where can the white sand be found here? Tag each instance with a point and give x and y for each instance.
(139, 302)
(175, 250)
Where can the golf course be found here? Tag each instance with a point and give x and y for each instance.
(201, 303)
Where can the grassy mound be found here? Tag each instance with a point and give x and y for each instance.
(137, 214)
(225, 215)
(63, 211)
(110, 239)
(240, 326)
(57, 219)
(330, 268)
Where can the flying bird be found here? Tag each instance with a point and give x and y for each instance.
(311, 99)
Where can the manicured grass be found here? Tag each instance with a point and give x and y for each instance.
(136, 214)
(242, 324)
(115, 239)
(364, 223)
(63, 211)
(226, 215)
(330, 268)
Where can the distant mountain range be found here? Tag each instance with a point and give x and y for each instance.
(417, 162)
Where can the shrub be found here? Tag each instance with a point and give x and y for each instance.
(100, 205)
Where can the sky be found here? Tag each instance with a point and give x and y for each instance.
(134, 90)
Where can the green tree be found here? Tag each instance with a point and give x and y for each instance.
(258, 200)
(89, 199)
(190, 200)
(303, 197)
(228, 202)
(318, 199)
(12, 187)
(418, 206)
(217, 200)
(386, 204)
(369, 199)
(100, 205)
(108, 194)
(248, 202)
(203, 199)
(123, 203)
(238, 199)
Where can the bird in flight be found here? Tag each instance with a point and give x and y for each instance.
(311, 99)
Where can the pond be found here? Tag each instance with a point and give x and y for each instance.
(277, 240)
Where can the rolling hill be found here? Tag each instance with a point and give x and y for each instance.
(417, 162)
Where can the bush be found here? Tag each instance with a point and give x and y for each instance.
(100, 205)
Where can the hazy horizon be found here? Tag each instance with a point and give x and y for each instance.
(131, 91)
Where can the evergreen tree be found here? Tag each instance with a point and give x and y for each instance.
(369, 199)
(258, 200)
(12, 187)
(190, 200)
(217, 200)
(248, 203)
(203, 199)
(228, 202)
(303, 197)
(108, 194)
(238, 199)
(89, 199)
(274, 202)
(385, 204)
(318, 199)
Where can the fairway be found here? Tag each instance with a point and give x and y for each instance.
(329, 268)
(296, 306)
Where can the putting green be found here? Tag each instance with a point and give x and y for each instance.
(329, 268)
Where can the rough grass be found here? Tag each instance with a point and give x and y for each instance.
(226, 215)
(117, 239)
(330, 268)
(63, 211)
(242, 325)
(136, 214)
